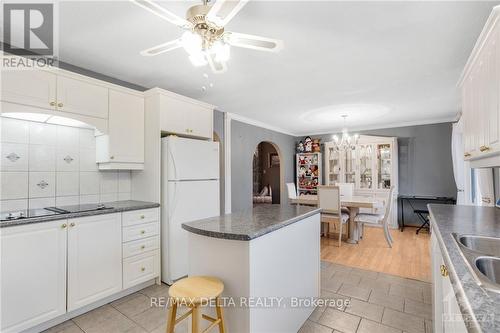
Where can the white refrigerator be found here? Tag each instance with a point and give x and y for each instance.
(190, 191)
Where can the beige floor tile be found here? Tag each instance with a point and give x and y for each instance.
(428, 295)
(317, 313)
(390, 301)
(151, 318)
(134, 305)
(65, 327)
(340, 268)
(380, 286)
(346, 277)
(368, 326)
(106, 319)
(312, 327)
(429, 328)
(415, 294)
(418, 309)
(332, 285)
(155, 290)
(365, 273)
(403, 321)
(354, 291)
(338, 320)
(334, 300)
(393, 279)
(366, 310)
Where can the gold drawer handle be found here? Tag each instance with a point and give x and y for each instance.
(111, 157)
(64, 225)
(60, 105)
(72, 224)
(484, 148)
(467, 155)
(143, 247)
(143, 269)
(143, 217)
(52, 103)
(444, 271)
(143, 232)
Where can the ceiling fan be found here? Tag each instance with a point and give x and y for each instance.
(205, 39)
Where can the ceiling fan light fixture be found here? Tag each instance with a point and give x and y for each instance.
(222, 51)
(192, 43)
(198, 60)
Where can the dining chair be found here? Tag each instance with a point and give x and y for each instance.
(331, 212)
(292, 192)
(382, 219)
(346, 189)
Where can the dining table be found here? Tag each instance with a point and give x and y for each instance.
(353, 203)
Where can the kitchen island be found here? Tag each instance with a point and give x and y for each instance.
(269, 260)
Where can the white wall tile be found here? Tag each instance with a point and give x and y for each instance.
(88, 160)
(109, 182)
(67, 158)
(124, 181)
(42, 158)
(66, 201)
(14, 157)
(42, 134)
(67, 136)
(89, 199)
(124, 196)
(42, 184)
(14, 130)
(42, 202)
(14, 185)
(67, 183)
(13, 205)
(89, 183)
(87, 138)
(108, 197)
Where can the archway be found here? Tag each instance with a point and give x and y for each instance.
(267, 174)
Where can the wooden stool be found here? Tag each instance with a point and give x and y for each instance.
(193, 292)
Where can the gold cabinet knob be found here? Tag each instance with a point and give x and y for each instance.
(52, 103)
(143, 232)
(111, 157)
(63, 226)
(444, 271)
(467, 155)
(187, 130)
(143, 269)
(143, 217)
(143, 247)
(60, 105)
(72, 224)
(484, 148)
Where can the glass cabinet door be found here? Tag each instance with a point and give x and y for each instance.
(350, 166)
(365, 156)
(384, 166)
(333, 166)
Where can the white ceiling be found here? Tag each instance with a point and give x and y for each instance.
(385, 63)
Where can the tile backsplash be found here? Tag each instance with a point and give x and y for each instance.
(51, 165)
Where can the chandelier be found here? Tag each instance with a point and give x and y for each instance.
(346, 142)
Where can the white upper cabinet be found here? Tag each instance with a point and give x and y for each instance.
(29, 87)
(181, 115)
(82, 97)
(480, 85)
(33, 274)
(123, 146)
(94, 259)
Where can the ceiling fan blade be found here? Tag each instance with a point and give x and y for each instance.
(224, 10)
(217, 67)
(158, 10)
(162, 48)
(253, 42)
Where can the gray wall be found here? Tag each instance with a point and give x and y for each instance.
(244, 141)
(270, 175)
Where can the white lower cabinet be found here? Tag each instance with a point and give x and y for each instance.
(94, 259)
(33, 274)
(447, 316)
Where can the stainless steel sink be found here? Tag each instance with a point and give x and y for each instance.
(483, 257)
(489, 246)
(489, 267)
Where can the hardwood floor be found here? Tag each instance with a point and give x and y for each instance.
(409, 257)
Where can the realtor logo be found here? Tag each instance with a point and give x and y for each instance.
(28, 29)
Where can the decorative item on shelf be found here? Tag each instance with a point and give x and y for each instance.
(302, 159)
(302, 171)
(300, 147)
(308, 144)
(346, 142)
(316, 147)
(274, 160)
(314, 159)
(314, 170)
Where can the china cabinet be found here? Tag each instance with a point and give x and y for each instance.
(372, 167)
(308, 172)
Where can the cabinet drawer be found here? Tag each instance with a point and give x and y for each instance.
(140, 246)
(139, 216)
(140, 268)
(140, 231)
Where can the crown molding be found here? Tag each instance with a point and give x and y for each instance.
(258, 123)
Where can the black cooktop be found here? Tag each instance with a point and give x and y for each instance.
(48, 211)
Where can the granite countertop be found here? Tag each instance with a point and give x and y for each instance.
(252, 223)
(118, 206)
(478, 305)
